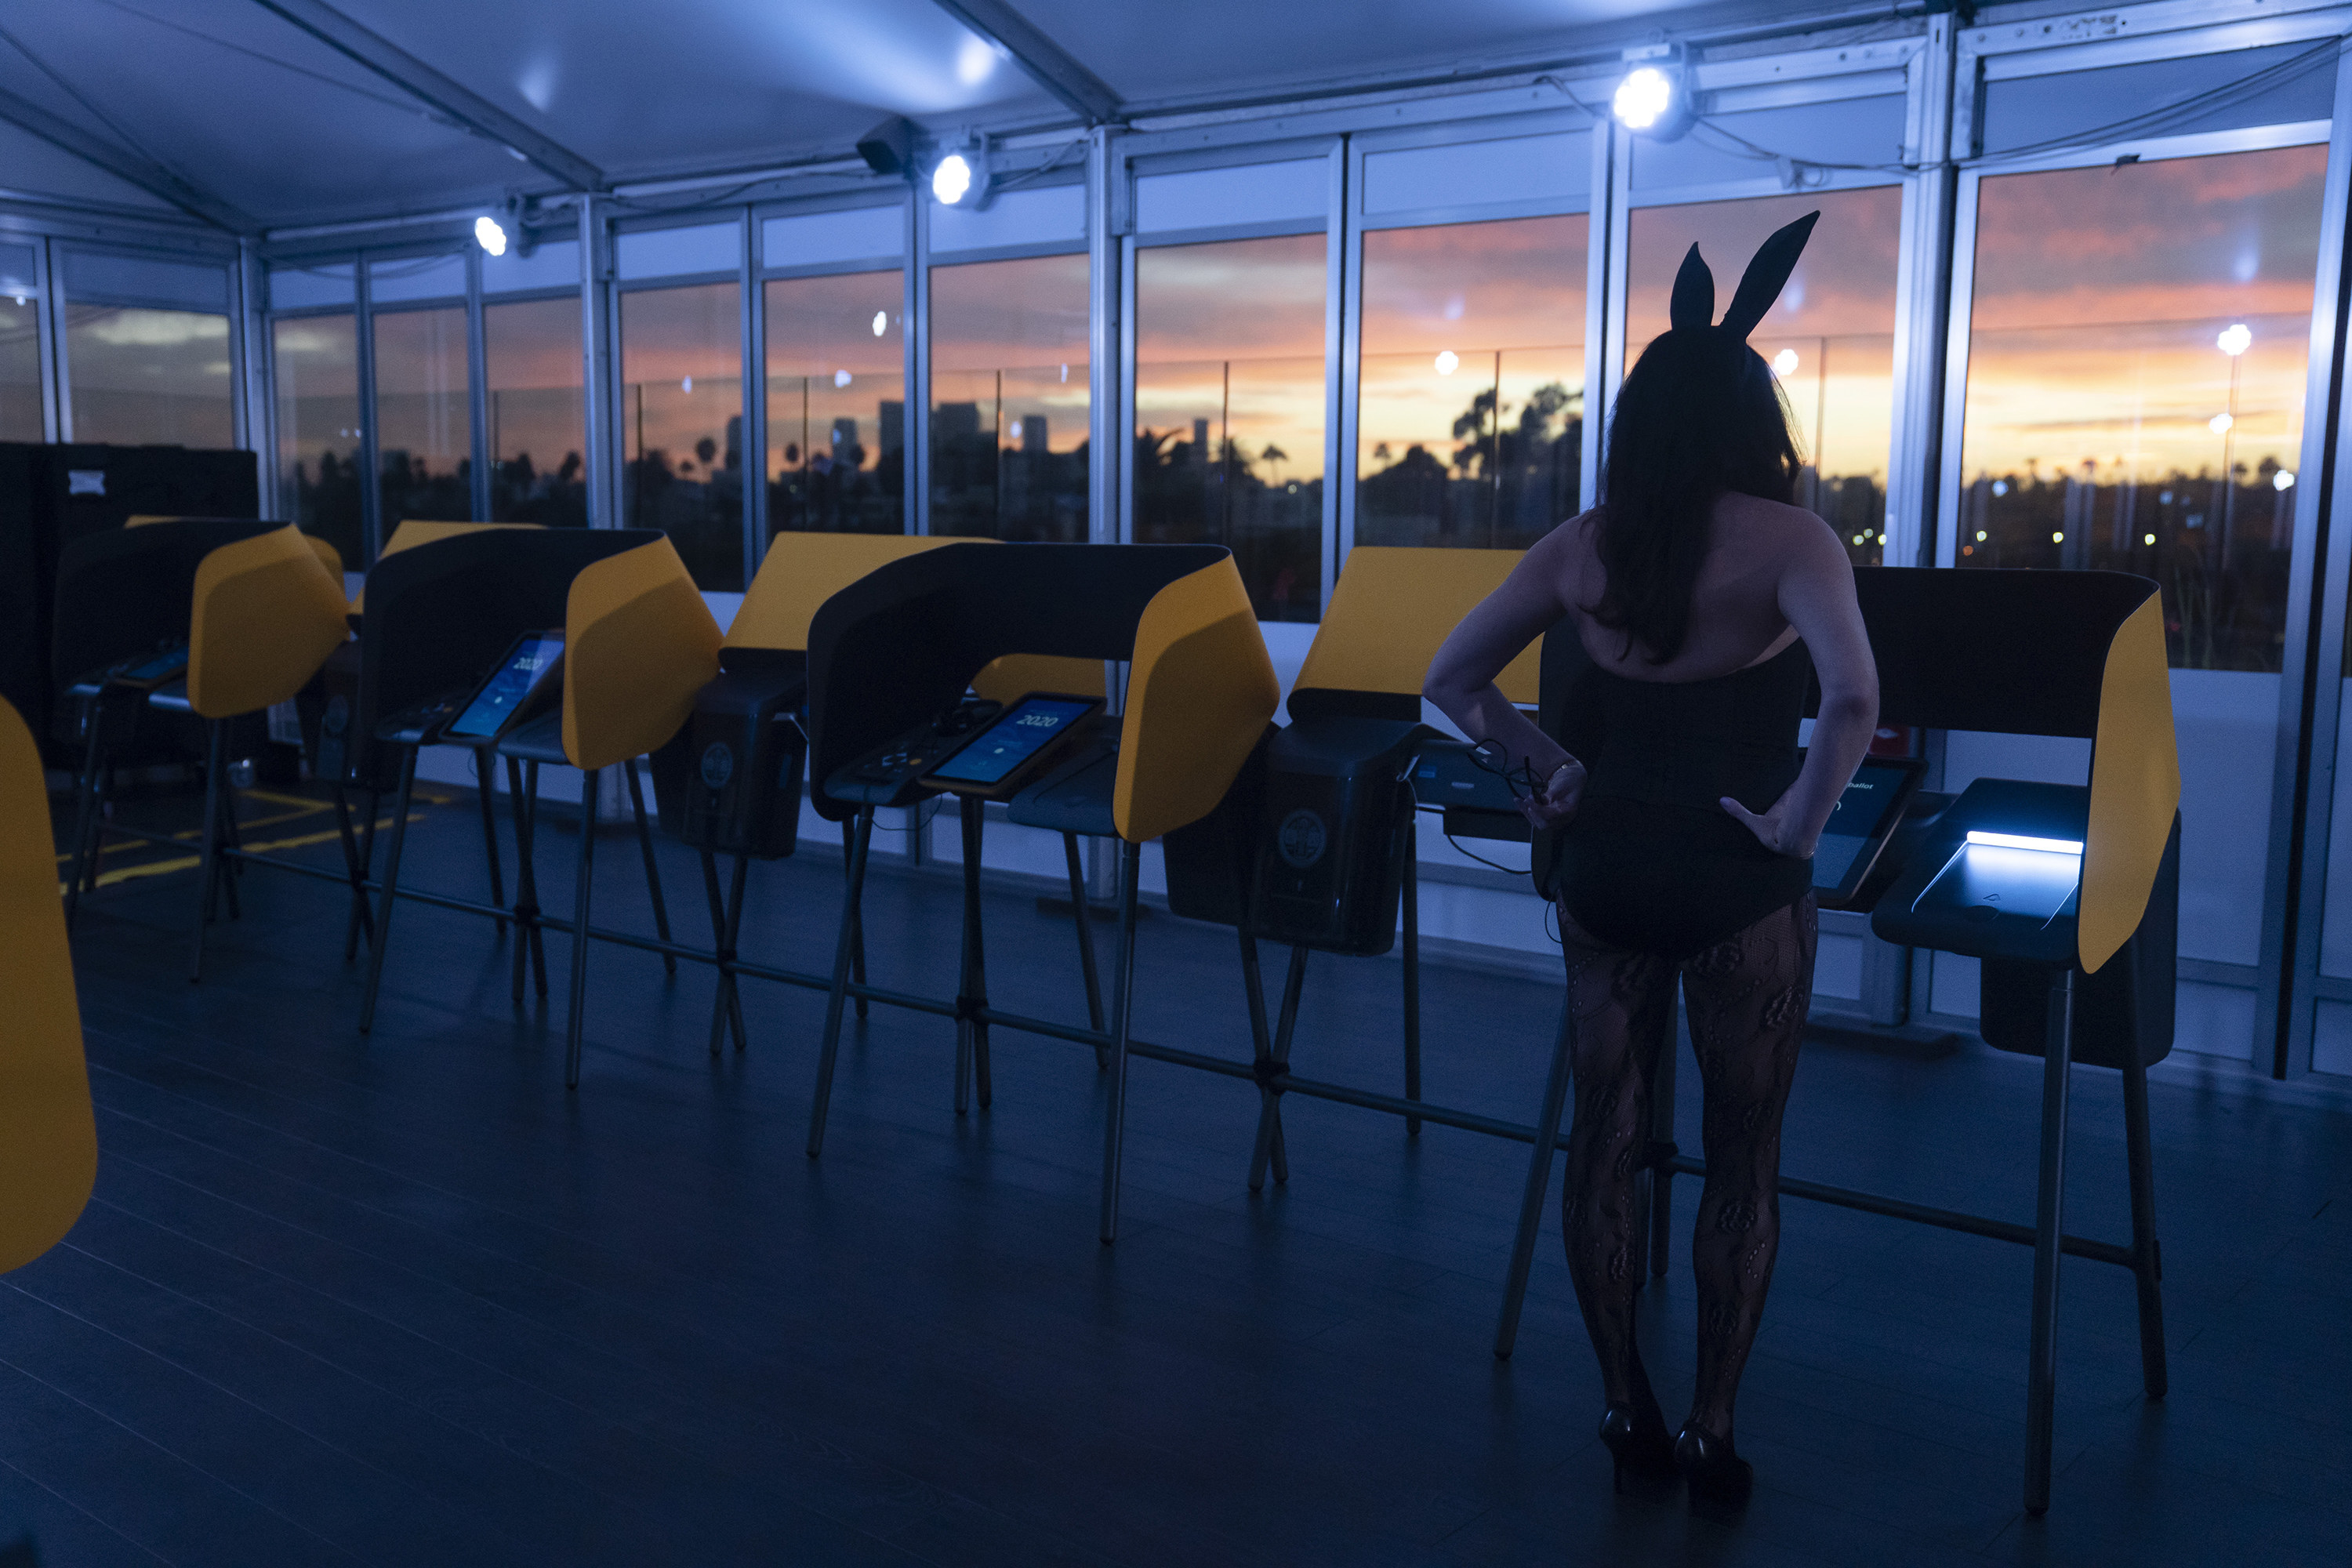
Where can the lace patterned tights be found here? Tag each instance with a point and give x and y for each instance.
(1745, 998)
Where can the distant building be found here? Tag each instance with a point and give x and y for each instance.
(1033, 433)
(955, 421)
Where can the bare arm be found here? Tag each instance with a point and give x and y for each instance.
(1461, 679)
(1816, 594)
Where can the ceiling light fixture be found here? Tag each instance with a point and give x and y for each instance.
(962, 178)
(1656, 97)
(491, 235)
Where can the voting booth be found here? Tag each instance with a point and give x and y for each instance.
(243, 630)
(1325, 829)
(891, 660)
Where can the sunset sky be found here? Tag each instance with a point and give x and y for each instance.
(2099, 297)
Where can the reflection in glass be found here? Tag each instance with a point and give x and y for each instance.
(315, 368)
(837, 403)
(1470, 409)
(424, 444)
(2137, 352)
(1829, 337)
(530, 352)
(1009, 398)
(682, 424)
(141, 377)
(20, 369)
(1229, 409)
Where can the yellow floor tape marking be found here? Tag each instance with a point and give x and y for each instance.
(190, 862)
(188, 836)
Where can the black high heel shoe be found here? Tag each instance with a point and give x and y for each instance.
(1714, 1472)
(1640, 1449)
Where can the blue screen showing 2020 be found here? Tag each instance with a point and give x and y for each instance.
(1019, 733)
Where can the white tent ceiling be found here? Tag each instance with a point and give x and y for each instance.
(262, 114)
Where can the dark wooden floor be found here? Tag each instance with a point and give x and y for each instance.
(402, 1299)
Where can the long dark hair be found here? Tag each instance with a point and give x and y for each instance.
(1700, 415)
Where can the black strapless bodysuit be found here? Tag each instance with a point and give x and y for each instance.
(1651, 861)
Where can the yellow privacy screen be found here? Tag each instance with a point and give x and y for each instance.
(49, 1141)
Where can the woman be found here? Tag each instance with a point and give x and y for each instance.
(1686, 831)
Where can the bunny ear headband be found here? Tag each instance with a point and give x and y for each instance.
(1693, 308)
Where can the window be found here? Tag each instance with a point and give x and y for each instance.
(1829, 337)
(837, 403)
(1009, 398)
(1470, 408)
(20, 370)
(682, 424)
(2137, 348)
(1229, 409)
(316, 365)
(140, 376)
(423, 432)
(531, 362)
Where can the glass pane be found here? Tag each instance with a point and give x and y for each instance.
(1229, 409)
(682, 424)
(2136, 351)
(424, 445)
(837, 403)
(150, 376)
(1830, 337)
(1470, 408)
(531, 351)
(1009, 399)
(316, 369)
(20, 369)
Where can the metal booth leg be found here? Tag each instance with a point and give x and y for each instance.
(360, 913)
(1411, 970)
(227, 872)
(653, 871)
(856, 927)
(360, 919)
(215, 753)
(485, 772)
(1269, 1147)
(726, 924)
(391, 886)
(1261, 1036)
(971, 986)
(2042, 1357)
(861, 839)
(87, 827)
(1523, 1246)
(531, 941)
(2148, 1258)
(576, 1025)
(1085, 943)
(1122, 1009)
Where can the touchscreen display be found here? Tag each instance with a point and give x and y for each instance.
(161, 665)
(1019, 733)
(1864, 811)
(500, 695)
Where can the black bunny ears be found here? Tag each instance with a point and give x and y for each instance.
(1693, 306)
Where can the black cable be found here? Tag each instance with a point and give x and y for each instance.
(1505, 871)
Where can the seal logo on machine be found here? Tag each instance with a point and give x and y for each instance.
(717, 764)
(1302, 838)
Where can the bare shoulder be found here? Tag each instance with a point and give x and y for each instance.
(1563, 556)
(1773, 531)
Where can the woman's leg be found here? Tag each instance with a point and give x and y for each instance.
(1619, 1004)
(1746, 998)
